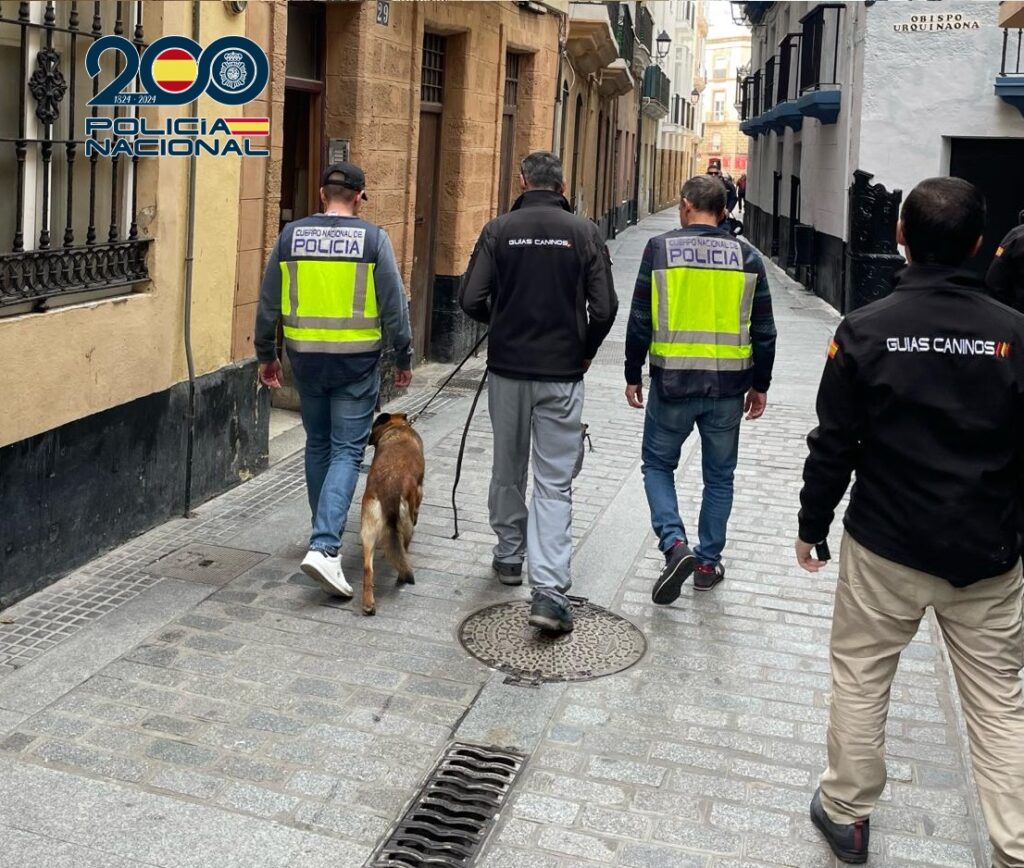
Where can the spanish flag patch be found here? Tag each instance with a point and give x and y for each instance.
(1003, 349)
(999, 251)
(833, 348)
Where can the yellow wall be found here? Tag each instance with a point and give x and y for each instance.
(69, 363)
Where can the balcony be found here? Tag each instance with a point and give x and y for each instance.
(616, 78)
(590, 43)
(656, 93)
(820, 96)
(1010, 81)
(643, 29)
(622, 24)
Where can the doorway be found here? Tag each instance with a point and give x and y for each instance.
(990, 164)
(302, 155)
(427, 162)
(508, 132)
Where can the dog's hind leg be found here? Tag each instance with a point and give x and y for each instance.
(370, 532)
(398, 541)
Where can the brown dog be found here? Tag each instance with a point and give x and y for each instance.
(391, 503)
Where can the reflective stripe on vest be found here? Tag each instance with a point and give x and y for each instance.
(702, 319)
(329, 306)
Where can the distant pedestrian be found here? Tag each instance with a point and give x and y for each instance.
(541, 278)
(1005, 276)
(741, 192)
(715, 171)
(923, 399)
(332, 281)
(703, 310)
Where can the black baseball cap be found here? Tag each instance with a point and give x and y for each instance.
(345, 175)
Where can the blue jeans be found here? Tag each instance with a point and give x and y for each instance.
(666, 427)
(337, 419)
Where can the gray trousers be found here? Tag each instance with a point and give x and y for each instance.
(551, 412)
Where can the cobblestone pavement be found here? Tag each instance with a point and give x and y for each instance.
(253, 721)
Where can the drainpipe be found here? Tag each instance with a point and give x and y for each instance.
(555, 126)
(190, 224)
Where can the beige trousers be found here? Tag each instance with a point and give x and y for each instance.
(878, 607)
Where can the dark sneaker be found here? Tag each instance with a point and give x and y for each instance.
(706, 576)
(850, 842)
(548, 615)
(508, 574)
(679, 563)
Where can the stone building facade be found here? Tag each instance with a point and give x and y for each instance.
(124, 401)
(726, 54)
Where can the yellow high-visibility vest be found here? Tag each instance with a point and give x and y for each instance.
(701, 306)
(329, 306)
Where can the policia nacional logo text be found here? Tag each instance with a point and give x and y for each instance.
(949, 346)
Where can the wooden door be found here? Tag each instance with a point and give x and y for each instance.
(425, 228)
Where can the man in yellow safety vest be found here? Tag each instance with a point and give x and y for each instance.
(332, 282)
(702, 309)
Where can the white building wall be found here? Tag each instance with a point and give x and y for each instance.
(921, 89)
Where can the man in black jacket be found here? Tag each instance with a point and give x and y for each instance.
(1005, 277)
(923, 397)
(541, 278)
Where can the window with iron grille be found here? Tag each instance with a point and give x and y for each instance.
(511, 79)
(432, 73)
(70, 226)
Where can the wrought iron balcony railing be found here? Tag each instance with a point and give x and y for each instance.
(1012, 62)
(645, 28)
(71, 223)
(819, 51)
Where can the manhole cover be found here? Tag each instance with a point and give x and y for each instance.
(207, 564)
(602, 643)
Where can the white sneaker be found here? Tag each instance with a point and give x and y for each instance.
(327, 571)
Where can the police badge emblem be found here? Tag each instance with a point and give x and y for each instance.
(233, 72)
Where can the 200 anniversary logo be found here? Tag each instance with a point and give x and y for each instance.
(172, 71)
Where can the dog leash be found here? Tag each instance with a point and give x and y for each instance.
(449, 378)
(462, 452)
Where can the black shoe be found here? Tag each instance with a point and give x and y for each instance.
(548, 615)
(679, 563)
(705, 576)
(850, 842)
(508, 574)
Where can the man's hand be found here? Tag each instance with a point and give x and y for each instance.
(635, 396)
(805, 557)
(754, 404)
(403, 379)
(270, 374)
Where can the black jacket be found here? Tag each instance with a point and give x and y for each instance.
(1005, 276)
(923, 397)
(534, 276)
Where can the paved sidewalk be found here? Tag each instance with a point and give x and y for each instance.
(253, 721)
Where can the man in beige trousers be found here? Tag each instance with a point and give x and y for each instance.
(923, 398)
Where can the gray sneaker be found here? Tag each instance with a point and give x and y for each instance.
(548, 615)
(508, 574)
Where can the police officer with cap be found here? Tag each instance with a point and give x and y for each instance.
(1005, 276)
(333, 283)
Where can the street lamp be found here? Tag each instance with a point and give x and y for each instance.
(663, 41)
(694, 96)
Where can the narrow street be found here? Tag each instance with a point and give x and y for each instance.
(154, 715)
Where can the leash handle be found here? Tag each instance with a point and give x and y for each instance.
(462, 451)
(449, 378)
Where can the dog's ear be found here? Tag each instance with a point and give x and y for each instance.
(378, 426)
(401, 417)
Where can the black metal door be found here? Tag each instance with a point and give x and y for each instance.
(986, 164)
(794, 217)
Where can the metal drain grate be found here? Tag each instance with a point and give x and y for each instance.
(206, 564)
(448, 821)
